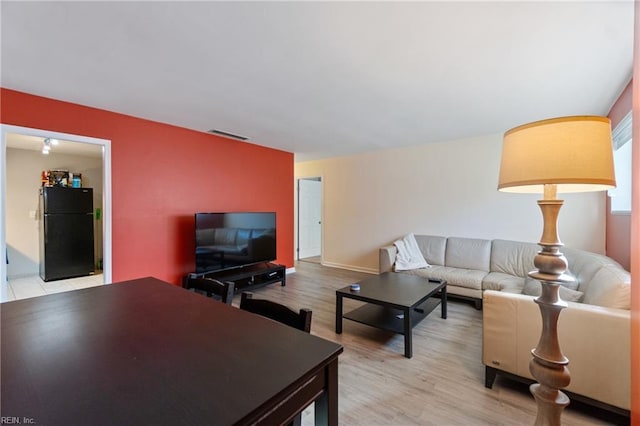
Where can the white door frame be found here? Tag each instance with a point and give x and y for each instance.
(6, 129)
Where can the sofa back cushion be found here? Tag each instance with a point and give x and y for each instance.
(513, 257)
(205, 237)
(243, 236)
(584, 265)
(432, 248)
(533, 287)
(225, 237)
(468, 253)
(610, 287)
(262, 233)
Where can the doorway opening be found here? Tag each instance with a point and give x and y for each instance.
(309, 230)
(25, 139)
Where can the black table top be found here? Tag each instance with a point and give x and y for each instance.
(146, 352)
(396, 289)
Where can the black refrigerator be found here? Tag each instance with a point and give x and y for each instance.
(66, 232)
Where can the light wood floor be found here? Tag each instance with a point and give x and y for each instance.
(443, 384)
(312, 259)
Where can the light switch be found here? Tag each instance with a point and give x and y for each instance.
(32, 214)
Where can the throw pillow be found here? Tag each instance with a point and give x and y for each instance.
(409, 255)
(534, 288)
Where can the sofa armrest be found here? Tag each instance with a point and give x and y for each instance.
(387, 256)
(595, 339)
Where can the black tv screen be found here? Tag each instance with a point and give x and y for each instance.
(233, 240)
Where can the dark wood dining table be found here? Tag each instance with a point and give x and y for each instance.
(145, 352)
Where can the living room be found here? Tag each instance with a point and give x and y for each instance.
(444, 187)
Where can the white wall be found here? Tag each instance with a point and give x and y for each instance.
(24, 169)
(444, 189)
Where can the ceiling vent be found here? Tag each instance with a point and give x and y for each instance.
(227, 134)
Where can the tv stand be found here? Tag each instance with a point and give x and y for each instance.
(250, 276)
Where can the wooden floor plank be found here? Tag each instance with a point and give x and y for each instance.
(443, 384)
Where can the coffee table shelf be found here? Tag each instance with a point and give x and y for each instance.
(388, 318)
(394, 302)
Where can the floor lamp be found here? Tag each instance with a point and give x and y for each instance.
(567, 154)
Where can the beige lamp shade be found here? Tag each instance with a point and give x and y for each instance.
(575, 153)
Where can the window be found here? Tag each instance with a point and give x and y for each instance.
(621, 195)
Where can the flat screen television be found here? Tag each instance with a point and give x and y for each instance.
(233, 240)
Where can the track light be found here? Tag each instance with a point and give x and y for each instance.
(46, 145)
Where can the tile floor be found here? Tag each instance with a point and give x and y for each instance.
(33, 286)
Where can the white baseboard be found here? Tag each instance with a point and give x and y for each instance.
(350, 267)
(23, 275)
(290, 271)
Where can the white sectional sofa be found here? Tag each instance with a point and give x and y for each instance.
(470, 265)
(596, 339)
(594, 330)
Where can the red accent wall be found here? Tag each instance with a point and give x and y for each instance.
(161, 175)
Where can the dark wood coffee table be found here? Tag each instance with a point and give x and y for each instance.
(395, 302)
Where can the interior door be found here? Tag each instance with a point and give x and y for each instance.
(309, 218)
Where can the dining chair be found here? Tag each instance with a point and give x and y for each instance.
(275, 311)
(222, 291)
(281, 313)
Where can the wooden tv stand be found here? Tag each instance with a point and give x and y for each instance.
(250, 276)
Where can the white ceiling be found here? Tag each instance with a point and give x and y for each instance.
(325, 79)
(34, 143)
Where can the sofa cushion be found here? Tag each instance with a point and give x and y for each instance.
(205, 237)
(573, 285)
(262, 233)
(570, 281)
(434, 272)
(230, 249)
(243, 236)
(533, 287)
(225, 237)
(468, 253)
(432, 248)
(610, 287)
(502, 282)
(468, 278)
(513, 257)
(585, 265)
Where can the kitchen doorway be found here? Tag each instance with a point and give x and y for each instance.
(9, 132)
(309, 220)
